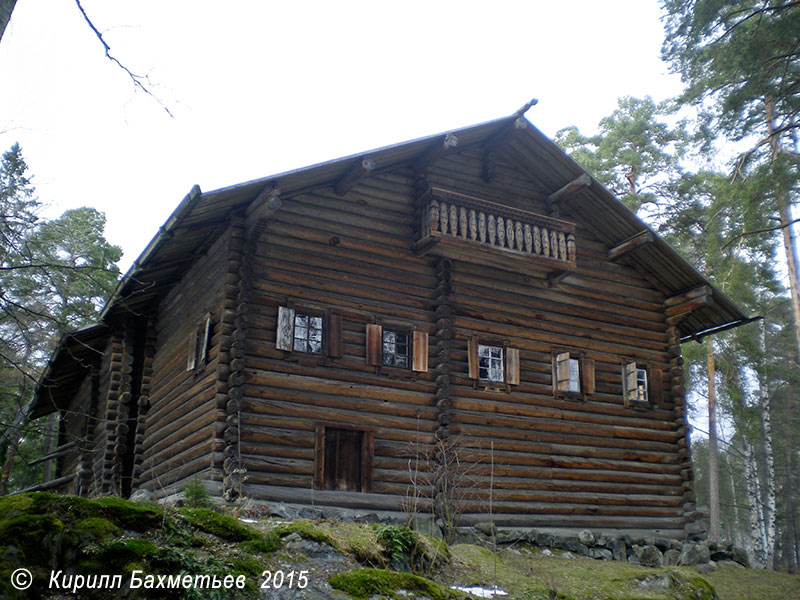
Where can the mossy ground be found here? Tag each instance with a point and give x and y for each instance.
(43, 531)
(526, 574)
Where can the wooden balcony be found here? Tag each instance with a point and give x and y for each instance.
(479, 231)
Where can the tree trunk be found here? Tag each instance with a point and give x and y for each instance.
(713, 451)
(788, 486)
(11, 454)
(50, 445)
(754, 506)
(789, 242)
(770, 492)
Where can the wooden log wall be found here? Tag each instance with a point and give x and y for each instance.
(350, 257)
(559, 461)
(102, 437)
(143, 400)
(179, 427)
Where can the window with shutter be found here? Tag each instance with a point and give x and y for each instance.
(493, 364)
(641, 384)
(396, 348)
(573, 374)
(309, 332)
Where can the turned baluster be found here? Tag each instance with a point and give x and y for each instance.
(537, 240)
(528, 239)
(481, 226)
(492, 230)
(501, 232)
(545, 242)
(462, 222)
(444, 217)
(562, 246)
(571, 247)
(518, 236)
(473, 225)
(453, 220)
(433, 217)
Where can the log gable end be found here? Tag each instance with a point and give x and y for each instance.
(403, 307)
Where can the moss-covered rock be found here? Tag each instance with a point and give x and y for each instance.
(222, 526)
(366, 583)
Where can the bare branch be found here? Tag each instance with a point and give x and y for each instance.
(137, 79)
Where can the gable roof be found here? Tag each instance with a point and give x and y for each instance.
(201, 217)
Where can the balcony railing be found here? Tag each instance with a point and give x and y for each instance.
(450, 216)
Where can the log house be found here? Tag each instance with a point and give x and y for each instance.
(303, 337)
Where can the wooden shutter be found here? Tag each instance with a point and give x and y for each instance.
(472, 358)
(512, 366)
(374, 348)
(656, 382)
(587, 371)
(191, 352)
(203, 354)
(562, 371)
(420, 352)
(629, 383)
(334, 335)
(284, 334)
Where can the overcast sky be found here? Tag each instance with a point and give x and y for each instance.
(258, 88)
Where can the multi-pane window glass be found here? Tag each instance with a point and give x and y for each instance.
(307, 334)
(490, 363)
(574, 375)
(395, 349)
(641, 385)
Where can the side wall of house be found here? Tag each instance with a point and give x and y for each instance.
(548, 460)
(175, 432)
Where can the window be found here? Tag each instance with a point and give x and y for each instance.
(395, 347)
(199, 340)
(573, 374)
(493, 364)
(309, 332)
(641, 384)
(343, 459)
(490, 363)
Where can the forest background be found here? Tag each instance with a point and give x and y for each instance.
(716, 171)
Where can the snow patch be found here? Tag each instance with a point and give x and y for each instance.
(480, 592)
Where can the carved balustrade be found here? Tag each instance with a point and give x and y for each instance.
(446, 215)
